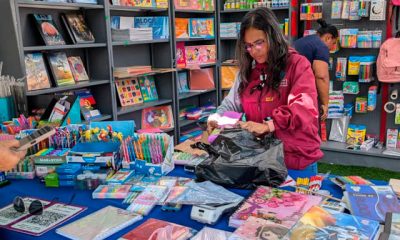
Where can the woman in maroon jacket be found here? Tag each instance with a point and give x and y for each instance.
(276, 90)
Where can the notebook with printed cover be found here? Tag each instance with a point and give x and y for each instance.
(77, 28)
(317, 223)
(36, 72)
(182, 27)
(78, 69)
(60, 68)
(372, 202)
(257, 228)
(154, 229)
(201, 28)
(54, 214)
(48, 29)
(148, 88)
(275, 205)
(157, 117)
(100, 224)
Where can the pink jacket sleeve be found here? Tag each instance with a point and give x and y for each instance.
(301, 109)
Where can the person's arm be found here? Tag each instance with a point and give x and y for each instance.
(9, 156)
(301, 110)
(321, 73)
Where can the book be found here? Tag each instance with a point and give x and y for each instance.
(54, 214)
(111, 191)
(78, 69)
(182, 27)
(157, 117)
(391, 230)
(183, 82)
(100, 224)
(318, 223)
(276, 205)
(180, 55)
(202, 79)
(87, 104)
(36, 73)
(77, 28)
(372, 202)
(129, 91)
(153, 228)
(148, 88)
(48, 29)
(59, 66)
(257, 228)
(201, 28)
(159, 26)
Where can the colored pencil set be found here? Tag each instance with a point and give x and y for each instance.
(348, 38)
(151, 147)
(365, 73)
(311, 11)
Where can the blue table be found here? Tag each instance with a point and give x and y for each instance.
(35, 188)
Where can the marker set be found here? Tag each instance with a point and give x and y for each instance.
(311, 11)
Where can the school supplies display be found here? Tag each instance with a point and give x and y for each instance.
(276, 205)
(36, 72)
(319, 223)
(147, 199)
(48, 29)
(157, 117)
(372, 202)
(154, 228)
(111, 191)
(341, 181)
(100, 224)
(129, 91)
(311, 11)
(77, 28)
(60, 68)
(148, 88)
(52, 214)
(78, 69)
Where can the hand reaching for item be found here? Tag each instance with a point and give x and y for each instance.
(258, 129)
(9, 156)
(324, 113)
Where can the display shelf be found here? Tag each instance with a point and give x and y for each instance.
(127, 43)
(137, 9)
(55, 5)
(194, 94)
(63, 47)
(184, 123)
(141, 106)
(199, 66)
(67, 88)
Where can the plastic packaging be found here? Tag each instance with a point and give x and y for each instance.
(354, 65)
(341, 66)
(361, 105)
(351, 88)
(339, 129)
(372, 94)
(208, 233)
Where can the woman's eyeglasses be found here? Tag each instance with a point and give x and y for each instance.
(35, 208)
(257, 45)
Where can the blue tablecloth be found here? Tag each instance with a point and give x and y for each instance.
(34, 188)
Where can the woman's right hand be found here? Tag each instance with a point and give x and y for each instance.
(212, 122)
(9, 156)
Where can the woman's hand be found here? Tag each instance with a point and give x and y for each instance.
(258, 129)
(212, 122)
(9, 156)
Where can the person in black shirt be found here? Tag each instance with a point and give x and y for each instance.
(316, 49)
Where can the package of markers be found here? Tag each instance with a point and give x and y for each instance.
(111, 191)
(377, 39)
(120, 177)
(366, 69)
(353, 10)
(24, 170)
(341, 66)
(147, 199)
(363, 10)
(348, 37)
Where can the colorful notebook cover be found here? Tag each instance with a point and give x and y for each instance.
(257, 228)
(182, 27)
(48, 30)
(180, 55)
(183, 86)
(54, 214)
(60, 68)
(148, 88)
(159, 26)
(129, 91)
(201, 28)
(317, 223)
(202, 54)
(36, 73)
(100, 224)
(274, 204)
(111, 191)
(157, 117)
(153, 229)
(372, 202)
(78, 69)
(77, 28)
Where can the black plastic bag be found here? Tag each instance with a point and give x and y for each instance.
(240, 160)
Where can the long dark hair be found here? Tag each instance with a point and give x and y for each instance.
(326, 28)
(265, 20)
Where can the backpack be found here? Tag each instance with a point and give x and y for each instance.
(388, 63)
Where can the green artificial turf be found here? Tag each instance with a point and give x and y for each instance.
(365, 172)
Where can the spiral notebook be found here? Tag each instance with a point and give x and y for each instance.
(100, 224)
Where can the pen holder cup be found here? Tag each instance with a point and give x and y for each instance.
(7, 110)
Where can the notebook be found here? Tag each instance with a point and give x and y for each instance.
(202, 79)
(100, 224)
